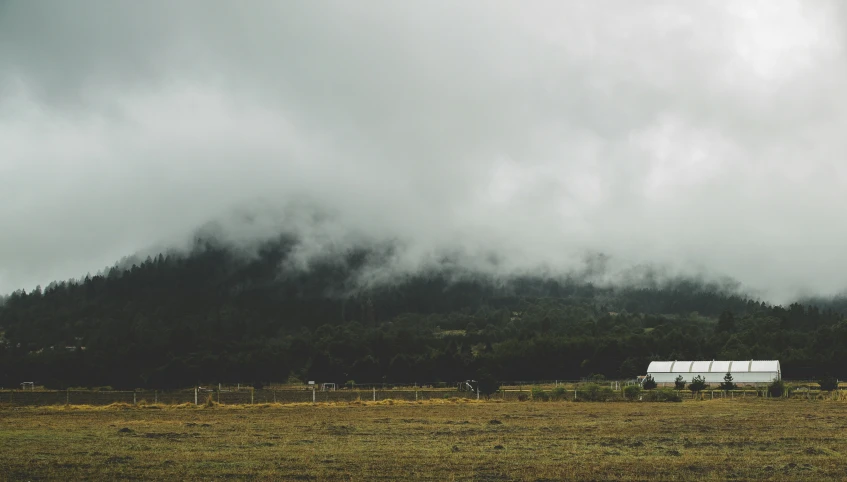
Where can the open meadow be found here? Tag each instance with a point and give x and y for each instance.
(433, 440)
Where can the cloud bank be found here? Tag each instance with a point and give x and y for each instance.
(706, 138)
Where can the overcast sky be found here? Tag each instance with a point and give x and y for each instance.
(704, 137)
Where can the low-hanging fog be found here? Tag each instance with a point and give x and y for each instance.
(704, 138)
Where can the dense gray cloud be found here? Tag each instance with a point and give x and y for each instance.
(703, 137)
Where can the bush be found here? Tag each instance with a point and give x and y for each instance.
(662, 395)
(595, 393)
(522, 397)
(679, 383)
(632, 392)
(776, 388)
(487, 384)
(828, 383)
(539, 395)
(648, 383)
(559, 393)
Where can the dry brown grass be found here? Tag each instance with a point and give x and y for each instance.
(438, 440)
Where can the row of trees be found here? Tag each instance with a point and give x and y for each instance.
(220, 316)
(698, 383)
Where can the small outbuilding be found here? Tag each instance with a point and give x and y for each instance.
(714, 371)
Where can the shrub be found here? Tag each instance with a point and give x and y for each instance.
(539, 395)
(662, 395)
(632, 392)
(648, 383)
(679, 383)
(698, 384)
(595, 393)
(828, 383)
(487, 384)
(776, 388)
(559, 393)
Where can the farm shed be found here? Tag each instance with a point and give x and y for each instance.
(743, 371)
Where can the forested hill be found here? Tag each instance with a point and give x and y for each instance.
(219, 315)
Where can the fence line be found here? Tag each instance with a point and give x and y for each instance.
(265, 396)
(237, 397)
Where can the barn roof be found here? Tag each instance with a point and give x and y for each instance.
(714, 366)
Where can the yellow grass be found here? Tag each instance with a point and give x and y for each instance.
(432, 440)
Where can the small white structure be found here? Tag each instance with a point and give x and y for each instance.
(743, 371)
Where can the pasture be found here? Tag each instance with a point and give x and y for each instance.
(430, 440)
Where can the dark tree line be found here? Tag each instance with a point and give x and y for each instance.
(218, 315)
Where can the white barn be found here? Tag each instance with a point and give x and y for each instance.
(743, 371)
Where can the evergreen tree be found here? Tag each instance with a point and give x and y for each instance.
(649, 383)
(728, 384)
(698, 384)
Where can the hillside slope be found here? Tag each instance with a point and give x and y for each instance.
(219, 314)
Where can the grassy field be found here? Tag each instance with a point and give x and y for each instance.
(495, 441)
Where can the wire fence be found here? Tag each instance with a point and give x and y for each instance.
(241, 395)
(198, 396)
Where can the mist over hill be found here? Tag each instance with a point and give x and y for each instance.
(523, 136)
(220, 312)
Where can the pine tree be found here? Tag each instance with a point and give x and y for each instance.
(698, 384)
(648, 383)
(727, 384)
